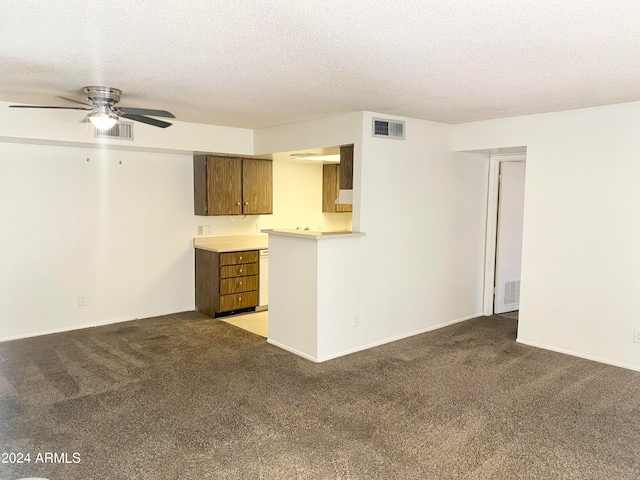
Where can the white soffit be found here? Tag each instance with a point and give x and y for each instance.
(253, 64)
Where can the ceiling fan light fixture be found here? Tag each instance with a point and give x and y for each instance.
(103, 121)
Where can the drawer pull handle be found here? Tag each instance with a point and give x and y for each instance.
(240, 270)
(239, 299)
(240, 257)
(239, 283)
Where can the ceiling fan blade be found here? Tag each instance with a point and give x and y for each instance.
(146, 111)
(74, 101)
(147, 120)
(45, 106)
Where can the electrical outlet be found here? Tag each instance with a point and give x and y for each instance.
(209, 230)
(200, 230)
(636, 335)
(82, 300)
(356, 320)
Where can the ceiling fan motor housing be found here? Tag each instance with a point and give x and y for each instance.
(99, 95)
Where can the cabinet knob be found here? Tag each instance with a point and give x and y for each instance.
(238, 203)
(239, 283)
(241, 257)
(240, 271)
(246, 203)
(239, 299)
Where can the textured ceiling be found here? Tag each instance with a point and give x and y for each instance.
(255, 63)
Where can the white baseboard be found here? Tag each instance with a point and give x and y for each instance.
(293, 350)
(396, 338)
(99, 323)
(579, 355)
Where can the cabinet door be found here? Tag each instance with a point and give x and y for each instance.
(224, 186)
(346, 167)
(257, 186)
(330, 187)
(200, 200)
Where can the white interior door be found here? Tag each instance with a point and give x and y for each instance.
(509, 237)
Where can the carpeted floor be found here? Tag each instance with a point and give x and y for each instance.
(188, 397)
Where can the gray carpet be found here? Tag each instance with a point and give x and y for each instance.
(188, 397)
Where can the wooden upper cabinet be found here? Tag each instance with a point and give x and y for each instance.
(346, 167)
(224, 186)
(330, 189)
(232, 185)
(257, 186)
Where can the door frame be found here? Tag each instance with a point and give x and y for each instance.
(492, 226)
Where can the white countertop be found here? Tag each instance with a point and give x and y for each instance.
(311, 234)
(232, 243)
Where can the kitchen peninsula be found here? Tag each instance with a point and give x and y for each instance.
(311, 234)
(310, 291)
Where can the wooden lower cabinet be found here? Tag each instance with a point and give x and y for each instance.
(226, 281)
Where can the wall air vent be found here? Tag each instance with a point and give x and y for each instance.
(388, 128)
(511, 292)
(120, 131)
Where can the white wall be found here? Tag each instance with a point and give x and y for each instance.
(340, 281)
(423, 210)
(581, 239)
(119, 233)
(293, 299)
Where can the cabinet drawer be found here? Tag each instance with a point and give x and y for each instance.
(238, 300)
(238, 284)
(239, 270)
(234, 258)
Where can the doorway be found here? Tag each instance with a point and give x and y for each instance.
(504, 234)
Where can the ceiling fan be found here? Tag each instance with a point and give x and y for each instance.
(105, 112)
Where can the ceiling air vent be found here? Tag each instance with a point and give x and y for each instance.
(388, 128)
(121, 131)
